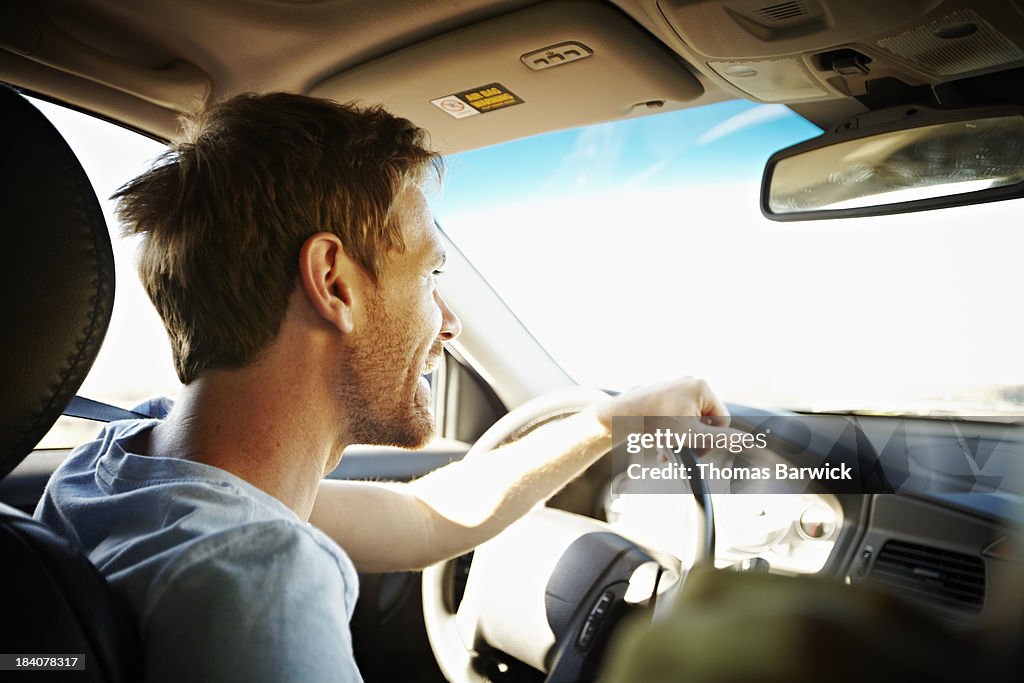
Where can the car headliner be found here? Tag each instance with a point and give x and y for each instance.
(143, 62)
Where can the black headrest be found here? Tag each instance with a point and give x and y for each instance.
(56, 276)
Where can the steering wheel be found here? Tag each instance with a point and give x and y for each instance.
(549, 588)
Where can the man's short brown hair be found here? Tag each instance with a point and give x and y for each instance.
(225, 212)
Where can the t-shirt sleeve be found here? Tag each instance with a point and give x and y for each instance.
(265, 602)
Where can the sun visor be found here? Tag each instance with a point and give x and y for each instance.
(551, 66)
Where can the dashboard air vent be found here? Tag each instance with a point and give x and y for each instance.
(942, 577)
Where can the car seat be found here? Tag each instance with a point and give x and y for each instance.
(57, 290)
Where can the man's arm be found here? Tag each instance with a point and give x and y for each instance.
(391, 527)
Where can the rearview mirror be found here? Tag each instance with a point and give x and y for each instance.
(899, 160)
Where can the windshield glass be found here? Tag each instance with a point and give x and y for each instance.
(636, 250)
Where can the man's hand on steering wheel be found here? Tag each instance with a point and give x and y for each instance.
(686, 396)
(533, 589)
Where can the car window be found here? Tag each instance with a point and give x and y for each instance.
(134, 362)
(636, 250)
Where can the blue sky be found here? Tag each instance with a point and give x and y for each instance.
(701, 145)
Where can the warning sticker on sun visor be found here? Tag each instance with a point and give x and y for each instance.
(486, 98)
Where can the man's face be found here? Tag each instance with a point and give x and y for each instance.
(399, 340)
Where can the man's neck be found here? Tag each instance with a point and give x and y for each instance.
(245, 422)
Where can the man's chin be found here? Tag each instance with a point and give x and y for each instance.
(418, 433)
(413, 432)
(410, 426)
(421, 421)
(415, 429)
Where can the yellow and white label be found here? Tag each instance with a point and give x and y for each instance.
(486, 98)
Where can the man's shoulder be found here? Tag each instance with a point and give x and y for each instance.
(257, 556)
(263, 557)
(263, 601)
(266, 545)
(107, 498)
(153, 524)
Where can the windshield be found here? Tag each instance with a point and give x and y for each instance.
(635, 250)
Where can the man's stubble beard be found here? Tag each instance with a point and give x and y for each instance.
(379, 411)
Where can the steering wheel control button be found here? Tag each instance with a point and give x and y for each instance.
(596, 617)
(587, 634)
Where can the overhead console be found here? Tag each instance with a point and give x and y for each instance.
(522, 73)
(806, 50)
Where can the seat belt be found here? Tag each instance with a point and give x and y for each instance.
(79, 406)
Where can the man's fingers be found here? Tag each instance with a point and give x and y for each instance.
(716, 412)
(682, 397)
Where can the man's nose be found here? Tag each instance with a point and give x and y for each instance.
(450, 325)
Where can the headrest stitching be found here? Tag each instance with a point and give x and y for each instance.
(97, 319)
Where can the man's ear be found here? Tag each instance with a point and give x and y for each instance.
(330, 279)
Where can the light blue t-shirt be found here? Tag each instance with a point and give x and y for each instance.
(226, 582)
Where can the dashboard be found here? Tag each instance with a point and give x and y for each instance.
(785, 533)
(958, 554)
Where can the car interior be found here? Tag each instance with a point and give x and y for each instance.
(930, 88)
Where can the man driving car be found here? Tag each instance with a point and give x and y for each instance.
(289, 249)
